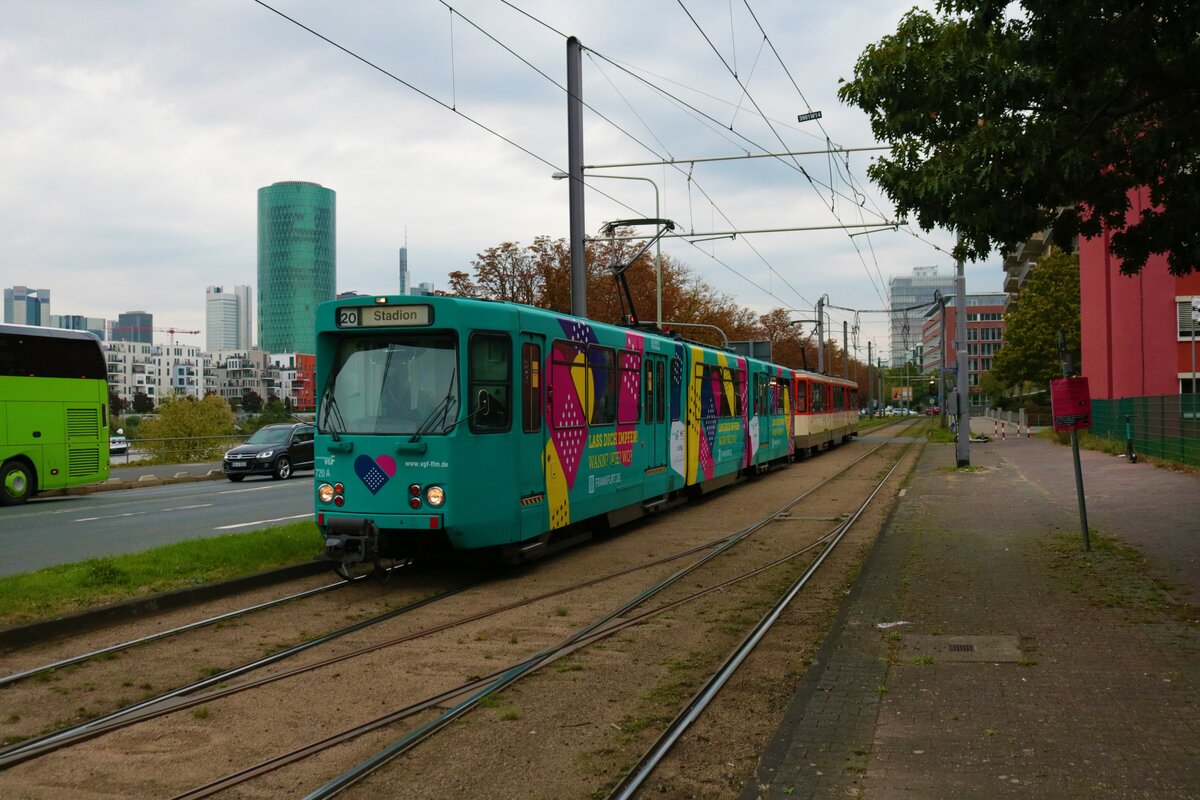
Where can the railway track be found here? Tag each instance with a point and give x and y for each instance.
(464, 697)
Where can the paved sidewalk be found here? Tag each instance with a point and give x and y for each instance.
(1024, 667)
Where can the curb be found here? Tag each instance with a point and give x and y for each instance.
(143, 481)
(97, 618)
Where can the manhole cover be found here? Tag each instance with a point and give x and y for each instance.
(961, 648)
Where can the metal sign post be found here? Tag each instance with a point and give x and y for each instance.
(1071, 406)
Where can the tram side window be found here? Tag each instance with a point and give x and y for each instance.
(802, 397)
(661, 405)
(762, 395)
(839, 395)
(531, 388)
(630, 373)
(603, 373)
(490, 373)
(676, 380)
(648, 391)
(818, 397)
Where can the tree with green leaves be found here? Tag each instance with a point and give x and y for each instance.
(1049, 303)
(184, 429)
(1006, 119)
(252, 401)
(142, 403)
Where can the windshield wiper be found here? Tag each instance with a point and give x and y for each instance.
(332, 416)
(438, 415)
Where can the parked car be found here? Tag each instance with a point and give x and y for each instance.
(275, 450)
(118, 445)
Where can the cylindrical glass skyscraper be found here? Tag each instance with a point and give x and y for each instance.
(297, 263)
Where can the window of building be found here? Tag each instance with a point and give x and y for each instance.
(1188, 328)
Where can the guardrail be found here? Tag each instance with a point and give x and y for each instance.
(176, 450)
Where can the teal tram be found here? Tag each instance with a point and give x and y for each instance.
(449, 423)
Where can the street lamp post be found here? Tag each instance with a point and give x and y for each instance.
(558, 176)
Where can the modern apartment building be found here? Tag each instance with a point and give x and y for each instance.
(985, 337)
(297, 263)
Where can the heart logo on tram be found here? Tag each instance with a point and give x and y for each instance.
(374, 473)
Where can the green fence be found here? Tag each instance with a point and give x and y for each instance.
(1165, 426)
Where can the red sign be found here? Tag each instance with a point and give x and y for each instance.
(1071, 404)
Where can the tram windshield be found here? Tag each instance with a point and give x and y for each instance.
(392, 384)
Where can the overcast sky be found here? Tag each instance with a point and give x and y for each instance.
(134, 136)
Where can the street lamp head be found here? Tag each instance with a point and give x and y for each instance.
(558, 176)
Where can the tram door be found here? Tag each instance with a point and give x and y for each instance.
(654, 409)
(533, 433)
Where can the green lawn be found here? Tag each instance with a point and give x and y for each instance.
(73, 587)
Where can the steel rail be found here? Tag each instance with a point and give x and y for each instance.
(684, 720)
(515, 673)
(191, 626)
(32, 748)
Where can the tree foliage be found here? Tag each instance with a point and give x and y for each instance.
(142, 403)
(252, 401)
(183, 424)
(1049, 303)
(1006, 119)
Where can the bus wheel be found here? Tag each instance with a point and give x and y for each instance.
(16, 483)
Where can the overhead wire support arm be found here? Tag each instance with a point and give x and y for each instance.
(724, 234)
(740, 157)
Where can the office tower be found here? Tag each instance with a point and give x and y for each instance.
(134, 326)
(905, 292)
(404, 270)
(25, 306)
(77, 322)
(227, 318)
(297, 263)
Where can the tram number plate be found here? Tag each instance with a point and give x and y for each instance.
(384, 316)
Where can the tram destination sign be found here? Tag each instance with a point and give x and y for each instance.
(405, 316)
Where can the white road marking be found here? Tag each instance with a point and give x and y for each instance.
(263, 522)
(139, 513)
(253, 489)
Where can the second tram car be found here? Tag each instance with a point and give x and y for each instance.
(448, 422)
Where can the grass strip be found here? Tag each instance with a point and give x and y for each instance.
(67, 588)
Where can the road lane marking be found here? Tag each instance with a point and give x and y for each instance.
(262, 522)
(139, 513)
(254, 489)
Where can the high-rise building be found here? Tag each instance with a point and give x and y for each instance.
(76, 322)
(25, 306)
(134, 326)
(227, 318)
(297, 263)
(403, 270)
(905, 292)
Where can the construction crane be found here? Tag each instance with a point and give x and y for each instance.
(171, 331)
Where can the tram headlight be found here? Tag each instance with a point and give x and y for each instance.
(325, 493)
(435, 496)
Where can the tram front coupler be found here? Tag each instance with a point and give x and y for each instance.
(350, 540)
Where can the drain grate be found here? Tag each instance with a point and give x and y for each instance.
(962, 648)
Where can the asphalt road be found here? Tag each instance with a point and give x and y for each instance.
(59, 530)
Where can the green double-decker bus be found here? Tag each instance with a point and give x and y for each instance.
(53, 411)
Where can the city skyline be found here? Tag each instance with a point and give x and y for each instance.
(152, 149)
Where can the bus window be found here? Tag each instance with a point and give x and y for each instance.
(489, 369)
(531, 388)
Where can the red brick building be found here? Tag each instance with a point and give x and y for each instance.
(985, 337)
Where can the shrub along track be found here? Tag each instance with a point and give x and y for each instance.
(247, 727)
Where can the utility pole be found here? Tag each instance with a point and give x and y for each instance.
(870, 380)
(942, 365)
(575, 171)
(821, 334)
(962, 448)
